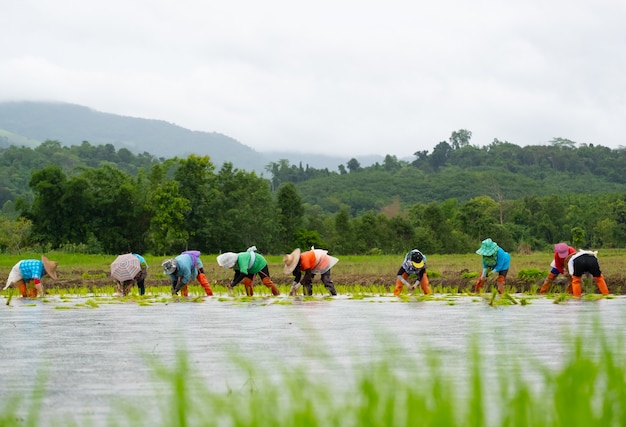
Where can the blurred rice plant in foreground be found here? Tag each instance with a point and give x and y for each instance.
(587, 388)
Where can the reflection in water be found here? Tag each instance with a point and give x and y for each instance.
(93, 357)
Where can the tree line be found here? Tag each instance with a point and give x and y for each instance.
(124, 202)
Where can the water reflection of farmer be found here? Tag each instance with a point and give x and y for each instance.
(27, 275)
(140, 279)
(561, 251)
(494, 259)
(246, 265)
(585, 262)
(414, 264)
(315, 261)
(182, 269)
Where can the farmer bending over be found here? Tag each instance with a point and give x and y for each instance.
(27, 275)
(182, 268)
(494, 259)
(246, 265)
(414, 264)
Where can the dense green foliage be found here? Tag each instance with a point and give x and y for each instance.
(95, 199)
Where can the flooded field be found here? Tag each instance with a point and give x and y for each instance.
(92, 353)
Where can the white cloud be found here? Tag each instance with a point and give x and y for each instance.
(342, 77)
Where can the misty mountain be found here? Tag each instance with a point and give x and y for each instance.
(30, 123)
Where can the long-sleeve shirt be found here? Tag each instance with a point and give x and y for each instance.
(186, 269)
(503, 261)
(32, 269)
(246, 264)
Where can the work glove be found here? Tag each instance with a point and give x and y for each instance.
(294, 288)
(413, 286)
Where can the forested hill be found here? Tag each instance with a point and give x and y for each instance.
(31, 123)
(501, 170)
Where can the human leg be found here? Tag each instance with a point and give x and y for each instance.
(204, 282)
(400, 284)
(604, 290)
(328, 283)
(500, 282)
(548, 282)
(425, 284)
(247, 283)
(576, 286)
(307, 283)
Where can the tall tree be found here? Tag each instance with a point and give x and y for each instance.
(291, 213)
(196, 184)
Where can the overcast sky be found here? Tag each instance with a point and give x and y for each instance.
(338, 77)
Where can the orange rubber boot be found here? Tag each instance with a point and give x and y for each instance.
(399, 285)
(425, 284)
(576, 286)
(479, 284)
(268, 282)
(548, 282)
(21, 286)
(604, 290)
(247, 283)
(204, 282)
(184, 291)
(500, 282)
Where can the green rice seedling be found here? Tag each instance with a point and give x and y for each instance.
(470, 275)
(494, 293)
(91, 303)
(510, 298)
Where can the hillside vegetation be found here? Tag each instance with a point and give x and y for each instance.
(94, 198)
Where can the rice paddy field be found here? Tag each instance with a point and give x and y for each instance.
(82, 355)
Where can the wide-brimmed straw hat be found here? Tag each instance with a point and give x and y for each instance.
(291, 261)
(227, 259)
(50, 267)
(488, 247)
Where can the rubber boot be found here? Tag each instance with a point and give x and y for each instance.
(500, 282)
(399, 285)
(604, 290)
(425, 284)
(548, 282)
(479, 284)
(576, 286)
(247, 283)
(268, 282)
(184, 291)
(204, 282)
(21, 286)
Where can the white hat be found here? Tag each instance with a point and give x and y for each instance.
(227, 259)
(169, 266)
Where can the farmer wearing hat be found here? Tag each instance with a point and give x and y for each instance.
(414, 264)
(561, 251)
(583, 262)
(182, 268)
(125, 286)
(494, 259)
(315, 261)
(27, 275)
(246, 265)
